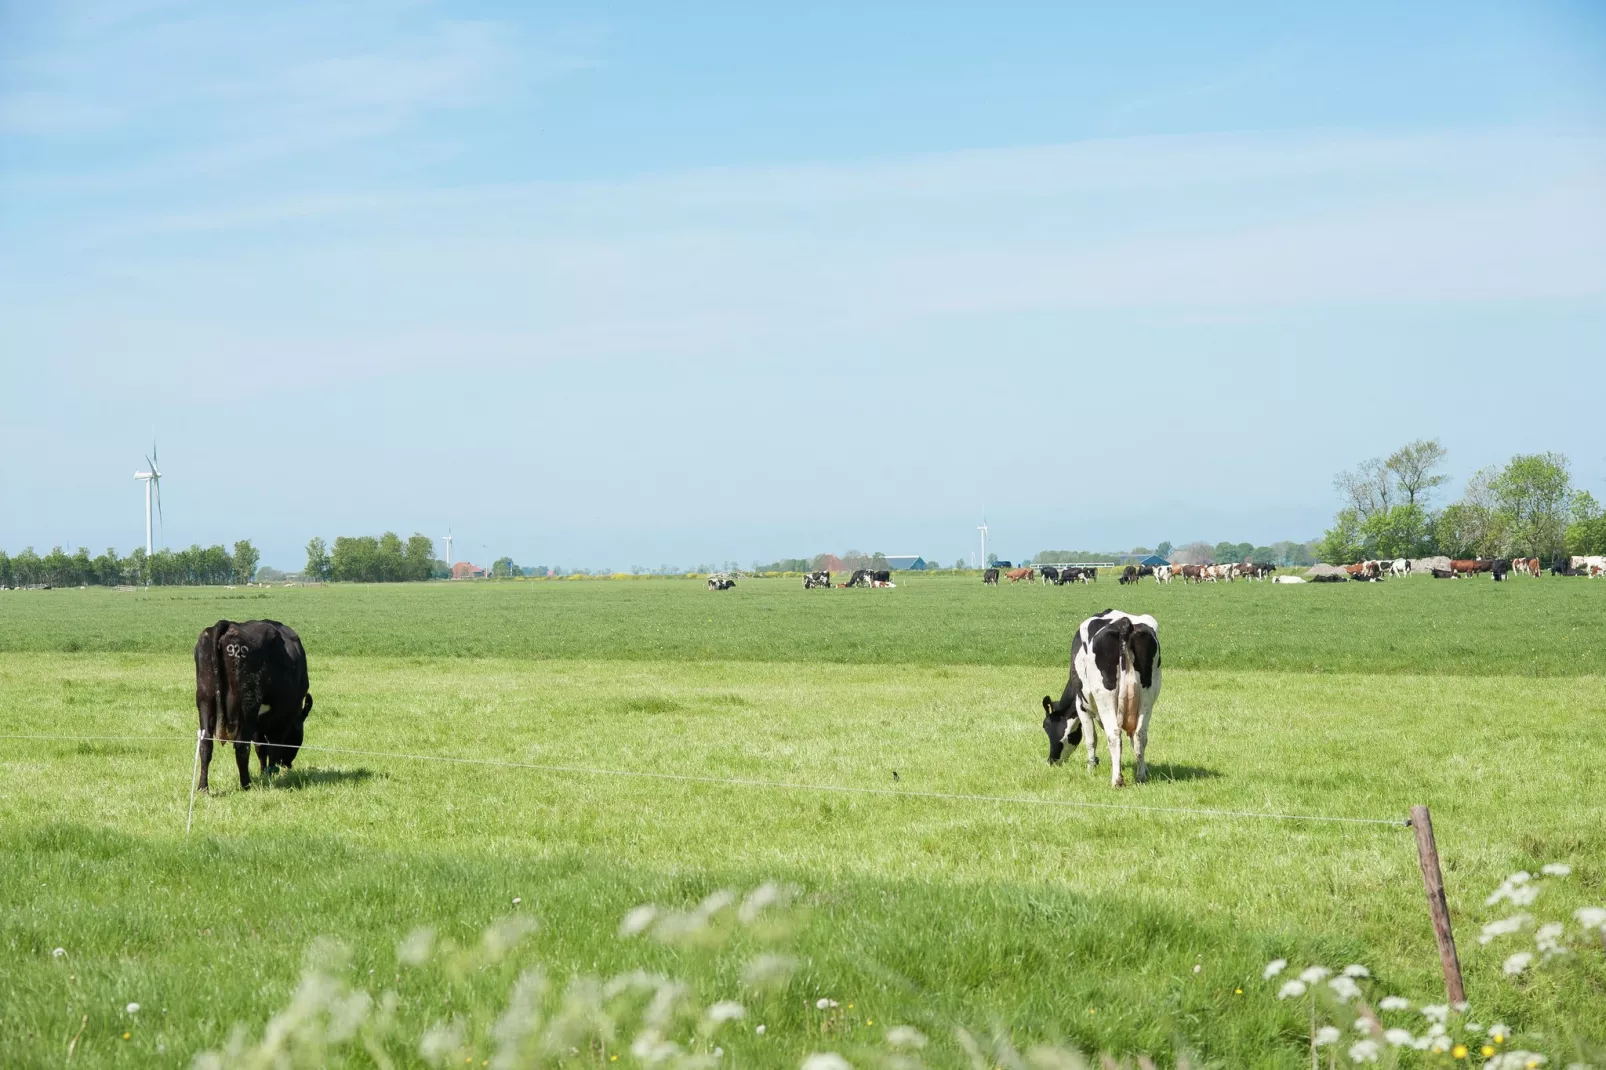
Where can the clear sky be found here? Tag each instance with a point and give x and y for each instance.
(616, 285)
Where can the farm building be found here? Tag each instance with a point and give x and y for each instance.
(906, 563)
(464, 570)
(1154, 561)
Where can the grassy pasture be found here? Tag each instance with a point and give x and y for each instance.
(1483, 701)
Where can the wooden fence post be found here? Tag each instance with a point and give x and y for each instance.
(1427, 853)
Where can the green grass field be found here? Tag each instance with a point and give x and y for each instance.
(1110, 929)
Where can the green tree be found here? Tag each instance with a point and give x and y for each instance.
(503, 568)
(418, 558)
(1263, 555)
(1587, 532)
(6, 578)
(246, 558)
(1368, 489)
(1532, 495)
(108, 569)
(1413, 468)
(319, 565)
(1164, 549)
(1403, 531)
(1341, 543)
(28, 568)
(137, 566)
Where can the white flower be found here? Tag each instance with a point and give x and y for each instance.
(1500, 1031)
(1345, 988)
(1197, 967)
(1312, 974)
(726, 1011)
(1273, 968)
(824, 1004)
(759, 1029)
(1439, 1044)
(905, 1036)
(826, 1060)
(1291, 989)
(1362, 1026)
(637, 920)
(1504, 927)
(1515, 889)
(517, 900)
(1356, 970)
(1394, 1003)
(132, 1008)
(1435, 1012)
(1548, 939)
(1326, 1035)
(1556, 869)
(1398, 1037)
(1588, 917)
(1363, 1051)
(61, 952)
(1515, 1060)
(1517, 963)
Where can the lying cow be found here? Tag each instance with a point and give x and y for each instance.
(990, 577)
(1445, 574)
(251, 687)
(816, 579)
(1115, 669)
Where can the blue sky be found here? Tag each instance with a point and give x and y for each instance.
(616, 285)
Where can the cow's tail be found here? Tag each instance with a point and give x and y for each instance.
(220, 704)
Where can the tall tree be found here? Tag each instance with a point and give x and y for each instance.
(1472, 527)
(1414, 468)
(318, 563)
(1368, 489)
(245, 560)
(1164, 549)
(1341, 543)
(1532, 496)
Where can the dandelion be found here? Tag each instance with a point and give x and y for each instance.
(637, 920)
(1237, 991)
(132, 1008)
(127, 1035)
(1394, 1003)
(61, 952)
(1273, 968)
(1486, 1051)
(1556, 869)
(826, 1060)
(1398, 1037)
(905, 1036)
(725, 1011)
(1312, 974)
(822, 1004)
(1356, 970)
(1344, 988)
(1498, 1033)
(1290, 990)
(1504, 927)
(1459, 1051)
(1363, 1051)
(1588, 917)
(1436, 1012)
(1517, 963)
(1326, 1035)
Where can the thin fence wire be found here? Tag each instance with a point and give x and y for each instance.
(778, 785)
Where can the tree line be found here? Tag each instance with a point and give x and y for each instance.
(195, 567)
(1527, 507)
(375, 559)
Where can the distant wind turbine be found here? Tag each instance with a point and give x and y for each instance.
(983, 529)
(447, 539)
(153, 483)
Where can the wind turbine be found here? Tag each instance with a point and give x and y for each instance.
(983, 529)
(447, 539)
(153, 481)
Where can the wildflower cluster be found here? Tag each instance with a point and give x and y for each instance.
(1363, 1027)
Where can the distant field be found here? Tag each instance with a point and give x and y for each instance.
(1483, 701)
(1523, 627)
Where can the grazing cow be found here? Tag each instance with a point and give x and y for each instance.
(1399, 567)
(1262, 571)
(720, 583)
(1069, 575)
(1017, 574)
(251, 687)
(1499, 569)
(1128, 575)
(1446, 574)
(863, 577)
(1050, 574)
(990, 577)
(1115, 669)
(1190, 572)
(816, 579)
(1162, 573)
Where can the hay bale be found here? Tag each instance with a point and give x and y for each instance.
(1324, 570)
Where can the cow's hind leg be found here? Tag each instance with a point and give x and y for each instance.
(1089, 737)
(1140, 749)
(208, 711)
(1110, 717)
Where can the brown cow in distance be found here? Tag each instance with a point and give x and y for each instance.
(1017, 574)
(1466, 567)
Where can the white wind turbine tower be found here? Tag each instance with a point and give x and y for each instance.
(983, 529)
(153, 482)
(447, 539)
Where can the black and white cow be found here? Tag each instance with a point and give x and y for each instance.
(863, 577)
(816, 579)
(720, 583)
(1050, 574)
(1115, 669)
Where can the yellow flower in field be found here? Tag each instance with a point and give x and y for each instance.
(127, 1035)
(1237, 991)
(1459, 1051)
(1488, 1050)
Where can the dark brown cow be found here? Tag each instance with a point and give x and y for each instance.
(251, 687)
